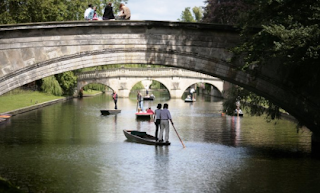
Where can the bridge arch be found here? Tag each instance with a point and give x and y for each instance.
(85, 83)
(123, 80)
(30, 52)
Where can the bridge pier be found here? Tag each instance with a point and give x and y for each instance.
(123, 93)
(175, 94)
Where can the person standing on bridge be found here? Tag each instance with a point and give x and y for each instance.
(115, 99)
(125, 12)
(108, 12)
(88, 14)
(95, 15)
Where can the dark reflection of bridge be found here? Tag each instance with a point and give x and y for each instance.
(123, 79)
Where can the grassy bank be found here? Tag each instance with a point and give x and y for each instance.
(20, 99)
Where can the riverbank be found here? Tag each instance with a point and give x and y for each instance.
(24, 101)
(19, 99)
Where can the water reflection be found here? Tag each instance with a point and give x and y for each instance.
(162, 168)
(70, 147)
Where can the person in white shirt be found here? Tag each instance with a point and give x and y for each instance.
(125, 12)
(164, 124)
(88, 14)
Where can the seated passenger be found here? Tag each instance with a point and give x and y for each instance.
(150, 111)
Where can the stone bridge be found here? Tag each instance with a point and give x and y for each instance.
(32, 51)
(123, 79)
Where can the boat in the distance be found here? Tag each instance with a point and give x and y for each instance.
(148, 98)
(144, 114)
(189, 99)
(110, 112)
(142, 137)
(4, 118)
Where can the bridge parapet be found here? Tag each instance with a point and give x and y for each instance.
(144, 72)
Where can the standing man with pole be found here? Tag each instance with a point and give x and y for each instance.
(115, 99)
(139, 101)
(165, 116)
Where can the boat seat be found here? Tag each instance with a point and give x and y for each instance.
(139, 133)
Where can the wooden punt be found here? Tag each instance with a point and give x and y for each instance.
(5, 116)
(3, 120)
(189, 100)
(142, 137)
(110, 112)
(146, 98)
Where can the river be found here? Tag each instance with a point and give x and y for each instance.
(70, 147)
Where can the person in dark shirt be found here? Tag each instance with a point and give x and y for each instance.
(115, 99)
(139, 101)
(157, 119)
(108, 12)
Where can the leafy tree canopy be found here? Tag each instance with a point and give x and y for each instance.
(286, 31)
(187, 16)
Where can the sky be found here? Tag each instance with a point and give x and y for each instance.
(163, 10)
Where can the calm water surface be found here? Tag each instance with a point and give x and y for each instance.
(69, 147)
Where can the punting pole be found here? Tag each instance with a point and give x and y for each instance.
(178, 136)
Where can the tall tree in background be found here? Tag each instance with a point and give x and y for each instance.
(289, 34)
(187, 16)
(198, 13)
(225, 11)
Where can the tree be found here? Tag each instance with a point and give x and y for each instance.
(198, 13)
(51, 86)
(187, 16)
(67, 81)
(286, 32)
(225, 11)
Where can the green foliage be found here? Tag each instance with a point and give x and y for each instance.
(51, 86)
(286, 33)
(67, 81)
(156, 85)
(138, 86)
(229, 12)
(198, 13)
(95, 86)
(250, 102)
(289, 35)
(187, 16)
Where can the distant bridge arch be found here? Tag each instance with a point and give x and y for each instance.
(123, 79)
